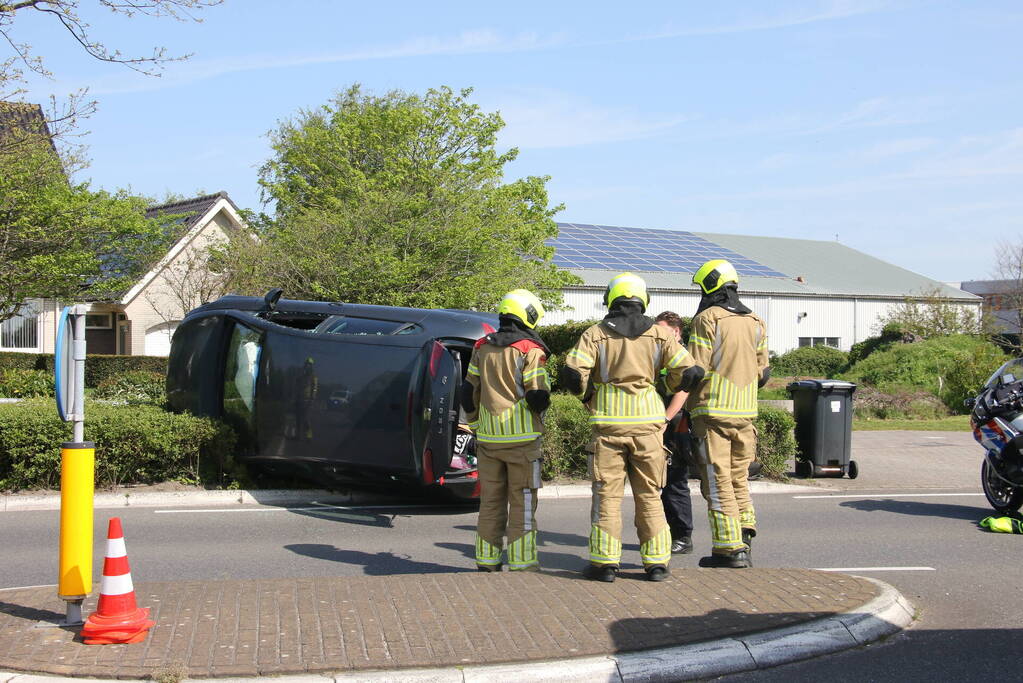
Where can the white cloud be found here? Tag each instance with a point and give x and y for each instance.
(545, 119)
(895, 148)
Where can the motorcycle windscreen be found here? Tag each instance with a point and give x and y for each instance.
(440, 410)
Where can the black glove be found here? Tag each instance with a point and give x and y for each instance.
(538, 400)
(690, 378)
(764, 377)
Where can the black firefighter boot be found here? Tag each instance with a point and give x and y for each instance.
(737, 560)
(747, 538)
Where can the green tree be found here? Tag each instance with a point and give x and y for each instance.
(398, 200)
(63, 240)
(931, 314)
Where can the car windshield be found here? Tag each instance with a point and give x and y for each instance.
(368, 326)
(1007, 374)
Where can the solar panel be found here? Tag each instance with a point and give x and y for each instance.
(606, 247)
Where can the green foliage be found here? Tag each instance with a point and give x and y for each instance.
(14, 360)
(97, 367)
(776, 444)
(951, 368)
(561, 338)
(566, 433)
(810, 361)
(52, 228)
(138, 444)
(18, 383)
(134, 386)
(398, 200)
(898, 403)
(890, 335)
(931, 314)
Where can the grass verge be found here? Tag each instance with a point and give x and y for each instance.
(954, 423)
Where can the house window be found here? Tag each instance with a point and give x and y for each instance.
(22, 331)
(98, 321)
(818, 341)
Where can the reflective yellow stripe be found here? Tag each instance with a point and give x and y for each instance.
(657, 550)
(724, 399)
(535, 373)
(748, 519)
(700, 341)
(604, 548)
(473, 370)
(486, 553)
(677, 359)
(581, 355)
(725, 531)
(615, 406)
(522, 551)
(515, 424)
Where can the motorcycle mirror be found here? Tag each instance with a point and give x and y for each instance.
(970, 402)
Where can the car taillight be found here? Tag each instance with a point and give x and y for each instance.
(438, 351)
(428, 466)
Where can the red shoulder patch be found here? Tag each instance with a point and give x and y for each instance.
(480, 342)
(525, 345)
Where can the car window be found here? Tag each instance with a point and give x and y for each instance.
(369, 326)
(241, 371)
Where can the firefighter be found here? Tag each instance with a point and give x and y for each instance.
(613, 368)
(678, 504)
(730, 343)
(506, 392)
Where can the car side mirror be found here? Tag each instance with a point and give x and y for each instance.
(271, 298)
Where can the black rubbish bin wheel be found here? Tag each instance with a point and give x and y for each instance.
(854, 471)
(804, 469)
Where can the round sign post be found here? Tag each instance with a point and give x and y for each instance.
(77, 466)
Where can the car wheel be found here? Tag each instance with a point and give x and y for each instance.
(1002, 496)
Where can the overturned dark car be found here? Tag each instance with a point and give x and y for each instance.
(335, 393)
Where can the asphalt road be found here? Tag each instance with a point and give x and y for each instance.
(921, 539)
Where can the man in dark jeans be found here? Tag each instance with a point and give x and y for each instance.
(678, 506)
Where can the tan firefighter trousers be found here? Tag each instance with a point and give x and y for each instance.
(641, 459)
(509, 479)
(728, 446)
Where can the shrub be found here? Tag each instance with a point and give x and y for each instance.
(97, 367)
(17, 383)
(776, 444)
(561, 338)
(134, 445)
(951, 368)
(870, 403)
(810, 361)
(134, 386)
(566, 434)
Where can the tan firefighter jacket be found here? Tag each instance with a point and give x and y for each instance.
(501, 376)
(732, 348)
(618, 375)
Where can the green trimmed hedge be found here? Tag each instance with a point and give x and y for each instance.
(134, 386)
(810, 361)
(138, 444)
(18, 383)
(97, 367)
(567, 432)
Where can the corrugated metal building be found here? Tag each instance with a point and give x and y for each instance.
(809, 292)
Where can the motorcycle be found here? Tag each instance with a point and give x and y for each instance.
(997, 421)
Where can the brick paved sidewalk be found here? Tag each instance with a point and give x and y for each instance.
(248, 628)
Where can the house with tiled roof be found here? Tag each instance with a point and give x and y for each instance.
(143, 319)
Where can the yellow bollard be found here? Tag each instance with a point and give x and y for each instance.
(77, 464)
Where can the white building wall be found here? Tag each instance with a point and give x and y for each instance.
(851, 320)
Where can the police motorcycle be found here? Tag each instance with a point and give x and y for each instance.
(997, 421)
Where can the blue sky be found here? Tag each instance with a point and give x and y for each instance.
(895, 126)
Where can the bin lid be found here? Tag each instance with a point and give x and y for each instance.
(820, 385)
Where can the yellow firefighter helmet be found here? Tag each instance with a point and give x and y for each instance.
(713, 275)
(626, 286)
(524, 305)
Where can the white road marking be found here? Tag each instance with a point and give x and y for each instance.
(318, 508)
(892, 495)
(875, 569)
(935, 438)
(21, 588)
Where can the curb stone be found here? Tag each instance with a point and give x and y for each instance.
(282, 497)
(884, 615)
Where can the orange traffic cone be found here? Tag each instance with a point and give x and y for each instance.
(117, 618)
